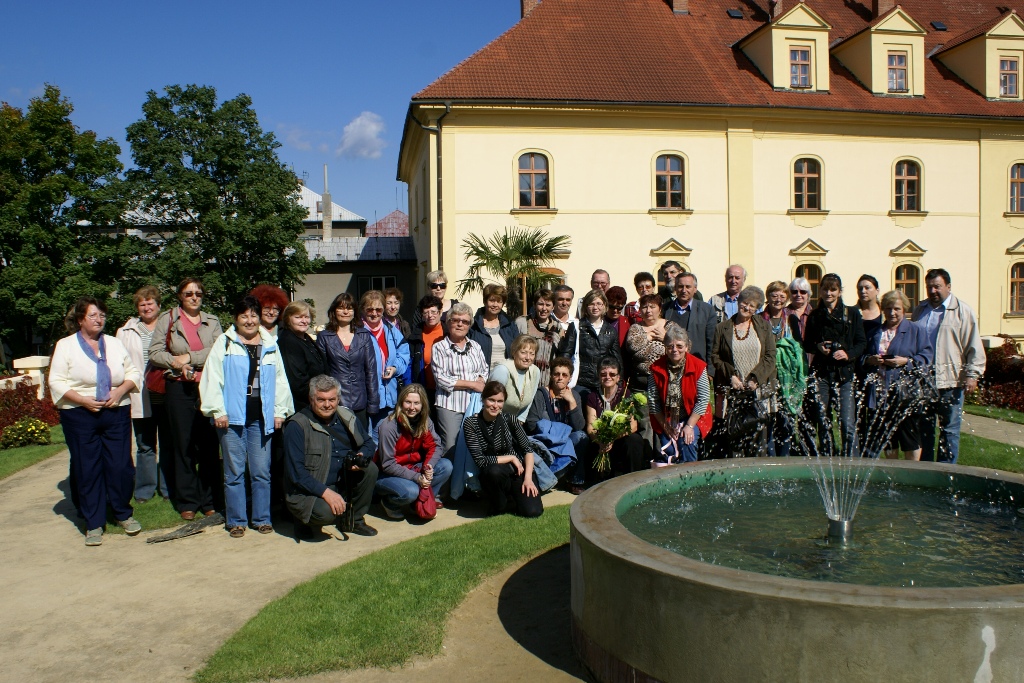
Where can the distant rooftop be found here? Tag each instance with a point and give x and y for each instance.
(311, 200)
(395, 224)
(337, 249)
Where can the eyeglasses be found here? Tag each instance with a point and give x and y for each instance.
(97, 316)
(271, 309)
(798, 292)
(374, 310)
(192, 294)
(438, 285)
(458, 321)
(609, 374)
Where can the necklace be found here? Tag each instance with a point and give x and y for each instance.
(736, 334)
(251, 349)
(776, 329)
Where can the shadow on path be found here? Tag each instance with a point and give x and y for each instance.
(534, 610)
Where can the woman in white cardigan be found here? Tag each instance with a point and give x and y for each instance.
(91, 377)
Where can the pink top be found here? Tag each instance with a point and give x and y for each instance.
(191, 331)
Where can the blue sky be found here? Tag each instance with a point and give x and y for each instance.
(331, 79)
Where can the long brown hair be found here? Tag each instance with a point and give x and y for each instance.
(348, 301)
(417, 426)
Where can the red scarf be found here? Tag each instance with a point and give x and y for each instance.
(382, 342)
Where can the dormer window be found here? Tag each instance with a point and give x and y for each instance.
(800, 67)
(1008, 71)
(898, 72)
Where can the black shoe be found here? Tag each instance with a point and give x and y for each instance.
(360, 528)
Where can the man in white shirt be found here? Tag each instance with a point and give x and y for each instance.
(959, 362)
(563, 302)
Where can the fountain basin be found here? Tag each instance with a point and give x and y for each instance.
(644, 613)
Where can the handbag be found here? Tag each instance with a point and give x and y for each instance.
(425, 505)
(156, 378)
(746, 415)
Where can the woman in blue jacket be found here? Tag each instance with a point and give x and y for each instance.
(492, 329)
(391, 353)
(348, 348)
(896, 345)
(244, 389)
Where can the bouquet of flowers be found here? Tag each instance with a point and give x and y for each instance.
(614, 424)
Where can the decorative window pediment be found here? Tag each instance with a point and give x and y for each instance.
(791, 51)
(1017, 249)
(809, 248)
(888, 56)
(908, 249)
(671, 251)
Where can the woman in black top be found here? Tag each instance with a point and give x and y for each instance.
(501, 450)
(599, 339)
(302, 359)
(835, 339)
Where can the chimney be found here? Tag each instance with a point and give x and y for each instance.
(774, 9)
(327, 209)
(680, 6)
(528, 5)
(881, 7)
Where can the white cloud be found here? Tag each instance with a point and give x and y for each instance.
(362, 137)
(296, 137)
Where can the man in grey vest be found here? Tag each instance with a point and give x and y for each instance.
(328, 467)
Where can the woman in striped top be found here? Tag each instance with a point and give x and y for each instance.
(501, 450)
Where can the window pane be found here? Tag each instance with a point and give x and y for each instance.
(677, 200)
(677, 183)
(540, 162)
(661, 163)
(1017, 171)
(675, 164)
(524, 199)
(660, 183)
(540, 181)
(812, 185)
(661, 199)
(524, 161)
(542, 199)
(524, 182)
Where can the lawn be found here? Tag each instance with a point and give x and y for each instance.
(16, 459)
(979, 452)
(1004, 414)
(382, 609)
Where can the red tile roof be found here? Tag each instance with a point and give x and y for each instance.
(639, 51)
(973, 33)
(395, 224)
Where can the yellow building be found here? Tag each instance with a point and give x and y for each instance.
(793, 138)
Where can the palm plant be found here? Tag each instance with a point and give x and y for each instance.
(514, 258)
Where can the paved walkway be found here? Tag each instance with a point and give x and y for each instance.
(997, 430)
(129, 611)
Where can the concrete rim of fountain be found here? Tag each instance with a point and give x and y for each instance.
(593, 515)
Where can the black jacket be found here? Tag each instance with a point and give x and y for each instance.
(302, 362)
(507, 330)
(842, 327)
(593, 348)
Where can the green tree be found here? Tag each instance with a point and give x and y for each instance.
(209, 179)
(508, 258)
(60, 220)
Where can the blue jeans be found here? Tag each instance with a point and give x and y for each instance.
(687, 452)
(580, 443)
(949, 411)
(397, 492)
(780, 430)
(149, 476)
(241, 446)
(828, 394)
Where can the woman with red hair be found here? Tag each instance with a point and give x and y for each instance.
(272, 301)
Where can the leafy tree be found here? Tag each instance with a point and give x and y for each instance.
(210, 181)
(60, 209)
(508, 257)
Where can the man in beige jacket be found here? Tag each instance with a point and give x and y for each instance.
(959, 362)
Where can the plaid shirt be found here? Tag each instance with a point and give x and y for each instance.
(451, 364)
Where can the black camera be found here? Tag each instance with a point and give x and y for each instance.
(359, 460)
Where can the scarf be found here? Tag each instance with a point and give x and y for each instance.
(674, 399)
(102, 369)
(378, 334)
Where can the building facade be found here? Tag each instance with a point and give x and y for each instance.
(816, 137)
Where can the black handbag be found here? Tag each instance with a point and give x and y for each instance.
(746, 414)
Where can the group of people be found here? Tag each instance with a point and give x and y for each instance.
(373, 407)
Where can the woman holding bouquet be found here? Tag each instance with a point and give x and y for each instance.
(678, 398)
(627, 452)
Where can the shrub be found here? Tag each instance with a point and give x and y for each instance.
(21, 401)
(25, 432)
(1003, 384)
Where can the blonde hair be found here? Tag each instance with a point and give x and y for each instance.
(297, 308)
(418, 426)
(896, 295)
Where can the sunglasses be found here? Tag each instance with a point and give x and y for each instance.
(794, 292)
(438, 285)
(609, 374)
(373, 310)
(196, 295)
(458, 321)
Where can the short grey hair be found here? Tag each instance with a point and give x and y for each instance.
(736, 265)
(686, 274)
(436, 276)
(674, 333)
(751, 294)
(461, 308)
(321, 384)
(801, 284)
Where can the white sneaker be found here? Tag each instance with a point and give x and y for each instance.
(94, 537)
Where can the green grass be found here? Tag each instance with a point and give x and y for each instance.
(156, 513)
(16, 459)
(382, 609)
(979, 452)
(1004, 414)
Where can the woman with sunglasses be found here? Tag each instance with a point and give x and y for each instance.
(392, 354)
(800, 304)
(629, 453)
(437, 285)
(182, 340)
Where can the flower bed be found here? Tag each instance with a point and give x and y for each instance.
(1003, 384)
(21, 401)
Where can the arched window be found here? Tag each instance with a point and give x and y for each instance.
(811, 273)
(908, 186)
(1017, 288)
(668, 182)
(908, 279)
(807, 184)
(1017, 188)
(533, 181)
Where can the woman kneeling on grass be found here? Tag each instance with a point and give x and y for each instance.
(410, 454)
(498, 444)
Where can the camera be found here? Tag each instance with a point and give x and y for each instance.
(359, 460)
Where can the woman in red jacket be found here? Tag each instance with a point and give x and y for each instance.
(409, 451)
(678, 396)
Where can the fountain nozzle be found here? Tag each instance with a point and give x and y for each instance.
(840, 530)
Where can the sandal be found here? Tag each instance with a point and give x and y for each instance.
(237, 531)
(265, 529)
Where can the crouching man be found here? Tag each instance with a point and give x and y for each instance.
(329, 475)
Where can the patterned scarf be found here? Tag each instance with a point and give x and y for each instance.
(102, 369)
